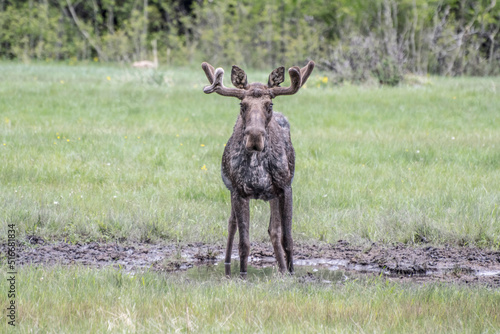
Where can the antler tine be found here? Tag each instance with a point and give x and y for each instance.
(218, 87)
(295, 75)
(209, 71)
(305, 72)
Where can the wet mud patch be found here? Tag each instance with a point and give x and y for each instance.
(305, 274)
(314, 262)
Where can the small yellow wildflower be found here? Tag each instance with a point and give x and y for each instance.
(96, 59)
(67, 140)
(4, 144)
(324, 80)
(204, 167)
(58, 137)
(138, 137)
(6, 120)
(126, 137)
(62, 82)
(202, 145)
(454, 97)
(79, 138)
(177, 135)
(181, 144)
(109, 78)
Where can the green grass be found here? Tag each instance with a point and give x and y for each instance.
(82, 300)
(87, 158)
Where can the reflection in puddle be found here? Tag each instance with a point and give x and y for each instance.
(488, 273)
(302, 272)
(323, 270)
(324, 262)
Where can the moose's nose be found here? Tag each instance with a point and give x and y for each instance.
(254, 131)
(254, 139)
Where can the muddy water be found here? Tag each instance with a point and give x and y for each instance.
(337, 271)
(215, 271)
(320, 262)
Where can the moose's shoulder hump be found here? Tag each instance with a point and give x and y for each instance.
(281, 120)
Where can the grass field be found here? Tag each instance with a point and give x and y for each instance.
(107, 152)
(81, 300)
(101, 153)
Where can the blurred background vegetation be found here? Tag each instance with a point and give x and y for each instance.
(355, 40)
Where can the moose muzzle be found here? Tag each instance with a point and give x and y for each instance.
(254, 139)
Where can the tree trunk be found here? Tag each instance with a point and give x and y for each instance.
(144, 31)
(85, 34)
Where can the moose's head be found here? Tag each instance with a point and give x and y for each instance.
(256, 98)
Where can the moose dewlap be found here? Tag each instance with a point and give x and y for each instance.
(259, 160)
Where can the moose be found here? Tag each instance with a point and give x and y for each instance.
(259, 160)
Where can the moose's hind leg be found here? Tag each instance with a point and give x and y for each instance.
(275, 234)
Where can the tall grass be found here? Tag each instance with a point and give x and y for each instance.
(74, 299)
(96, 152)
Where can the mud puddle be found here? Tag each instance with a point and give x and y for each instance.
(318, 262)
(216, 271)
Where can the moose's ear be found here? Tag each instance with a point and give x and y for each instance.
(239, 78)
(276, 77)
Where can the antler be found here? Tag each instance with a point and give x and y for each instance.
(306, 71)
(209, 71)
(294, 73)
(298, 77)
(216, 83)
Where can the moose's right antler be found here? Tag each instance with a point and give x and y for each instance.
(215, 78)
(209, 71)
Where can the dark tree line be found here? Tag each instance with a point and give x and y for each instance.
(354, 39)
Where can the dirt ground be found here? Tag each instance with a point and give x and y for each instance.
(399, 262)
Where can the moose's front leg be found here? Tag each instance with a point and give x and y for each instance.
(286, 204)
(230, 237)
(241, 209)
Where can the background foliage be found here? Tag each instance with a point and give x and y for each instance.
(354, 39)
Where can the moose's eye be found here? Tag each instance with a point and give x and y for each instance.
(243, 108)
(270, 107)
